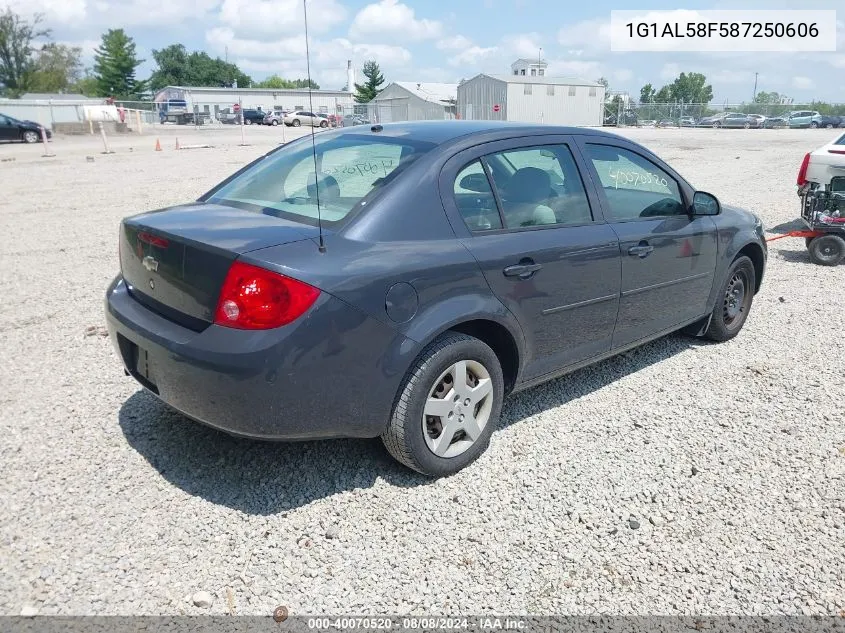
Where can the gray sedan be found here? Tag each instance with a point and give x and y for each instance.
(400, 280)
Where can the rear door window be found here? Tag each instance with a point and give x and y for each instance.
(539, 186)
(475, 200)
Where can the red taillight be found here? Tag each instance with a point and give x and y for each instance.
(155, 240)
(254, 298)
(802, 173)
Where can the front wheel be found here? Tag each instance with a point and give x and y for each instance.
(296, 123)
(447, 407)
(274, 122)
(733, 303)
(827, 250)
(747, 126)
(30, 137)
(814, 125)
(324, 124)
(248, 122)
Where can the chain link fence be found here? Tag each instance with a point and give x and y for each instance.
(618, 113)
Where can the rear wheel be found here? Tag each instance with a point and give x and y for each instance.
(30, 137)
(296, 123)
(274, 122)
(814, 124)
(827, 250)
(248, 122)
(747, 125)
(447, 407)
(733, 303)
(324, 124)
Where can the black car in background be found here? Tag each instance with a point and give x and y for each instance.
(27, 131)
(253, 116)
(826, 120)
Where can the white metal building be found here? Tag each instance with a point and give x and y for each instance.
(212, 100)
(411, 101)
(532, 99)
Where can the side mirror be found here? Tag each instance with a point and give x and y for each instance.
(704, 203)
(476, 183)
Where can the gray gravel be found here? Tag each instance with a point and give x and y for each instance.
(681, 478)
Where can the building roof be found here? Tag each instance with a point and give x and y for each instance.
(525, 60)
(544, 79)
(435, 93)
(267, 91)
(57, 96)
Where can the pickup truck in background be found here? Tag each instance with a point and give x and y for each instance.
(177, 111)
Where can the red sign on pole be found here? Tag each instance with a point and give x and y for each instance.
(236, 107)
(496, 108)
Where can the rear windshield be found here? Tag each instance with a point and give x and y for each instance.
(350, 172)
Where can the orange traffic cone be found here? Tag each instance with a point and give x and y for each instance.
(158, 146)
(177, 142)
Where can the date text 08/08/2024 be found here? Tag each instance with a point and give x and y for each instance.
(417, 623)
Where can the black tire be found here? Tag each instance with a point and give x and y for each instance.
(274, 122)
(324, 124)
(814, 124)
(731, 310)
(30, 136)
(747, 126)
(296, 123)
(827, 250)
(248, 122)
(404, 436)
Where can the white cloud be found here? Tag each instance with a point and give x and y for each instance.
(588, 35)
(472, 56)
(393, 19)
(286, 56)
(455, 42)
(81, 14)
(574, 68)
(803, 83)
(268, 19)
(62, 11)
(523, 44)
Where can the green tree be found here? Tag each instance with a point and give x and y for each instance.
(276, 82)
(604, 82)
(664, 95)
(115, 62)
(647, 93)
(17, 51)
(691, 88)
(87, 85)
(58, 68)
(366, 92)
(176, 67)
(768, 97)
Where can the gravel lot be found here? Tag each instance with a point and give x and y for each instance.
(682, 478)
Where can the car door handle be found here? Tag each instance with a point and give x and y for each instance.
(522, 270)
(640, 250)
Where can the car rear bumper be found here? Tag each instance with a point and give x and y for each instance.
(320, 377)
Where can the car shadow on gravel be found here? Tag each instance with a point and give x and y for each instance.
(266, 478)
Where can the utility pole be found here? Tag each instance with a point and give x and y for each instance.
(539, 60)
(754, 98)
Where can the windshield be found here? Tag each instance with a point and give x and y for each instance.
(351, 171)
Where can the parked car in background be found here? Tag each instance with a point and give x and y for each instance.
(757, 120)
(304, 117)
(666, 123)
(801, 118)
(430, 301)
(273, 118)
(825, 120)
(227, 117)
(251, 116)
(736, 120)
(771, 122)
(712, 120)
(687, 121)
(349, 120)
(11, 129)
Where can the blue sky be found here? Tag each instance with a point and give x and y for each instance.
(440, 41)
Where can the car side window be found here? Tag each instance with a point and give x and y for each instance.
(634, 186)
(475, 200)
(540, 186)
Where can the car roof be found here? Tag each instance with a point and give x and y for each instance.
(440, 132)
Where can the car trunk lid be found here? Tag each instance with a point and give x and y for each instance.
(175, 260)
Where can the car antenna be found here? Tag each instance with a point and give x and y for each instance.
(322, 246)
